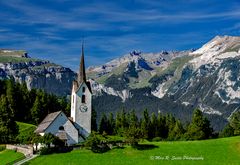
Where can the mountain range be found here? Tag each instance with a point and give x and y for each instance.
(173, 82)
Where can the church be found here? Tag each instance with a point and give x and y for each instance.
(76, 128)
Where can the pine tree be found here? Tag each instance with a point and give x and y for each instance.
(36, 111)
(111, 124)
(199, 128)
(11, 92)
(153, 126)
(177, 132)
(124, 121)
(117, 123)
(227, 131)
(170, 122)
(133, 133)
(103, 126)
(133, 119)
(235, 122)
(162, 129)
(8, 127)
(145, 124)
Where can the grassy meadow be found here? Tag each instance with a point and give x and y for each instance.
(216, 151)
(8, 156)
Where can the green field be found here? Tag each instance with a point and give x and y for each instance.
(8, 156)
(217, 151)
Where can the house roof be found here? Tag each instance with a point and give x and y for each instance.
(47, 122)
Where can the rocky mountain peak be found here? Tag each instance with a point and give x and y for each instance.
(219, 48)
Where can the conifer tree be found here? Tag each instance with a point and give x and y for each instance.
(111, 124)
(103, 126)
(177, 132)
(235, 123)
(36, 111)
(11, 92)
(153, 126)
(227, 131)
(145, 124)
(199, 128)
(162, 129)
(117, 123)
(133, 119)
(8, 127)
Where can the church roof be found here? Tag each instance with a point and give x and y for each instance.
(82, 78)
(82, 73)
(47, 121)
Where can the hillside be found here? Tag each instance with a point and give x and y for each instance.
(217, 151)
(24, 128)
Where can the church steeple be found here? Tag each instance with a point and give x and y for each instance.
(82, 73)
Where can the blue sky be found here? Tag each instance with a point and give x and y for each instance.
(53, 29)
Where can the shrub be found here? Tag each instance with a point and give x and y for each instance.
(46, 150)
(2, 147)
(97, 143)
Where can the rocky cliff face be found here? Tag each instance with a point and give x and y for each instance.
(39, 74)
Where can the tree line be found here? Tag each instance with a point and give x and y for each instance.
(155, 127)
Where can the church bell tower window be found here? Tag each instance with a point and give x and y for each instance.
(83, 99)
(83, 89)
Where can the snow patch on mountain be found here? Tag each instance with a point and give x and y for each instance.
(185, 103)
(159, 91)
(209, 110)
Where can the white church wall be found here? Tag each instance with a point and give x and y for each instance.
(73, 105)
(83, 119)
(71, 131)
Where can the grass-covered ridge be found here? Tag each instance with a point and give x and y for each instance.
(216, 151)
(25, 132)
(25, 126)
(7, 59)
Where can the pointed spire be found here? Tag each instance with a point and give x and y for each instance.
(82, 74)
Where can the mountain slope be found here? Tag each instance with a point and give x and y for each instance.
(207, 78)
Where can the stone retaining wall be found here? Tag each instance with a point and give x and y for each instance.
(26, 150)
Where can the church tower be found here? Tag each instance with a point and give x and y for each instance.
(81, 102)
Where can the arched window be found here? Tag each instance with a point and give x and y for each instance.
(61, 128)
(83, 99)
